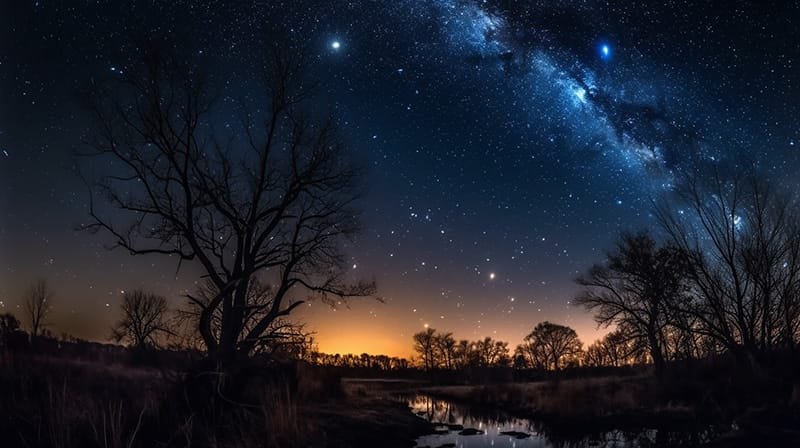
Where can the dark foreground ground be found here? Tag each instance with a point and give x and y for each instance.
(57, 402)
(767, 414)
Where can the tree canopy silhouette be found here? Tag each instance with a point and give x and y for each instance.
(37, 304)
(144, 318)
(273, 198)
(425, 345)
(551, 345)
(635, 288)
(741, 235)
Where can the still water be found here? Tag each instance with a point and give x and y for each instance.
(461, 427)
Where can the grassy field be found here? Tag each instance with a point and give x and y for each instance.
(52, 401)
(574, 397)
(55, 402)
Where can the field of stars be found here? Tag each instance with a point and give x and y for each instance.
(508, 142)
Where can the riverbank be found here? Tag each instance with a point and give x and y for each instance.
(365, 422)
(50, 401)
(598, 405)
(367, 413)
(47, 401)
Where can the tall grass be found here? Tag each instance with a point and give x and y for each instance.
(567, 398)
(50, 402)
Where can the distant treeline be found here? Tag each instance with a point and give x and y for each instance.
(17, 344)
(364, 360)
(719, 277)
(548, 347)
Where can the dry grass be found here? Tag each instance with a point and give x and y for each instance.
(65, 404)
(53, 402)
(573, 397)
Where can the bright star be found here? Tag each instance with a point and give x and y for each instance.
(605, 51)
(336, 45)
(491, 276)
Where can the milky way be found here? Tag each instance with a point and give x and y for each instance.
(573, 64)
(508, 142)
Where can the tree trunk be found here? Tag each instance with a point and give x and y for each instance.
(657, 356)
(747, 361)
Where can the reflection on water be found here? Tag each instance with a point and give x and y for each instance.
(456, 423)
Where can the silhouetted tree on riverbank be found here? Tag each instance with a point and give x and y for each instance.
(615, 349)
(441, 351)
(551, 346)
(635, 288)
(425, 345)
(741, 238)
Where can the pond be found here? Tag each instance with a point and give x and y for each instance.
(460, 426)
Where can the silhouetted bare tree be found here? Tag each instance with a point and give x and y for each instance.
(615, 349)
(490, 352)
(275, 199)
(446, 346)
(36, 305)
(144, 319)
(276, 338)
(742, 239)
(634, 289)
(425, 345)
(441, 351)
(532, 355)
(462, 354)
(556, 343)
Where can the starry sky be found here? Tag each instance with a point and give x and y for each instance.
(508, 142)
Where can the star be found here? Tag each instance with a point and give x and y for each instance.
(605, 51)
(335, 45)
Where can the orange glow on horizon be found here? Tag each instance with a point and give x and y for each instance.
(364, 342)
(384, 340)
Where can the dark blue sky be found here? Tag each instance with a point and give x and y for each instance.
(507, 149)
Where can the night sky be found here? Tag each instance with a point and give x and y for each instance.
(508, 142)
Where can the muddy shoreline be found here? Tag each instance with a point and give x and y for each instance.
(383, 421)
